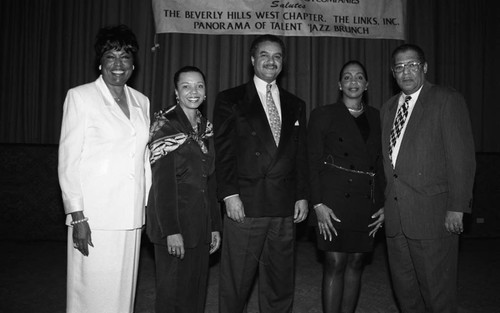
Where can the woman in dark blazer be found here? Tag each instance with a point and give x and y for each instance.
(183, 217)
(346, 186)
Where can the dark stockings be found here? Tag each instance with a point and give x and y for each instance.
(341, 281)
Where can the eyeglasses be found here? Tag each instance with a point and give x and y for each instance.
(412, 66)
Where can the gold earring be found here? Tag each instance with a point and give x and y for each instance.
(100, 67)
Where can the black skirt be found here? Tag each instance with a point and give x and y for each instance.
(346, 241)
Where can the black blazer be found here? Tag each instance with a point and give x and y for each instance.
(269, 179)
(333, 136)
(182, 198)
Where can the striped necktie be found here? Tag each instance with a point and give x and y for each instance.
(399, 122)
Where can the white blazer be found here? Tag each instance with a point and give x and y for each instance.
(103, 165)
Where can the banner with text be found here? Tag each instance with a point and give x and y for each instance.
(338, 18)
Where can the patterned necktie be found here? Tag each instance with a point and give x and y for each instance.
(399, 122)
(274, 117)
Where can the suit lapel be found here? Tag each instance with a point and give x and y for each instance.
(183, 122)
(411, 130)
(348, 128)
(387, 122)
(288, 118)
(109, 101)
(256, 117)
(137, 115)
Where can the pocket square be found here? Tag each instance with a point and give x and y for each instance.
(296, 123)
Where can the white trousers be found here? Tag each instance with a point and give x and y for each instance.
(105, 281)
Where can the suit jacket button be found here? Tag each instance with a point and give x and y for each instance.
(395, 198)
(257, 153)
(347, 195)
(349, 180)
(341, 139)
(254, 133)
(395, 175)
(346, 154)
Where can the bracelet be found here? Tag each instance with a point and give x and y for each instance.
(79, 221)
(317, 205)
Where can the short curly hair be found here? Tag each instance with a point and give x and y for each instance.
(115, 38)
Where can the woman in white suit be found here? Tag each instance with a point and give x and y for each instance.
(104, 175)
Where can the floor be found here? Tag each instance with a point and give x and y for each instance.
(32, 278)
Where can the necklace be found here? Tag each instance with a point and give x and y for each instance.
(120, 98)
(357, 110)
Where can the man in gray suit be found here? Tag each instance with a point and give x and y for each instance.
(429, 164)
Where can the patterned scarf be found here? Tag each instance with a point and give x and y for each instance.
(162, 146)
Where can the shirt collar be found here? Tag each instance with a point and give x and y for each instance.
(109, 97)
(262, 85)
(414, 96)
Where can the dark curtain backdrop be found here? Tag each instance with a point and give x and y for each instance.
(47, 48)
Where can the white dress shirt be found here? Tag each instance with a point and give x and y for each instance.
(261, 87)
(411, 105)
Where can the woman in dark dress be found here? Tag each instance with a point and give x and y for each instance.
(183, 217)
(346, 186)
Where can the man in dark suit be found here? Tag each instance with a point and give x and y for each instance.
(261, 167)
(429, 165)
